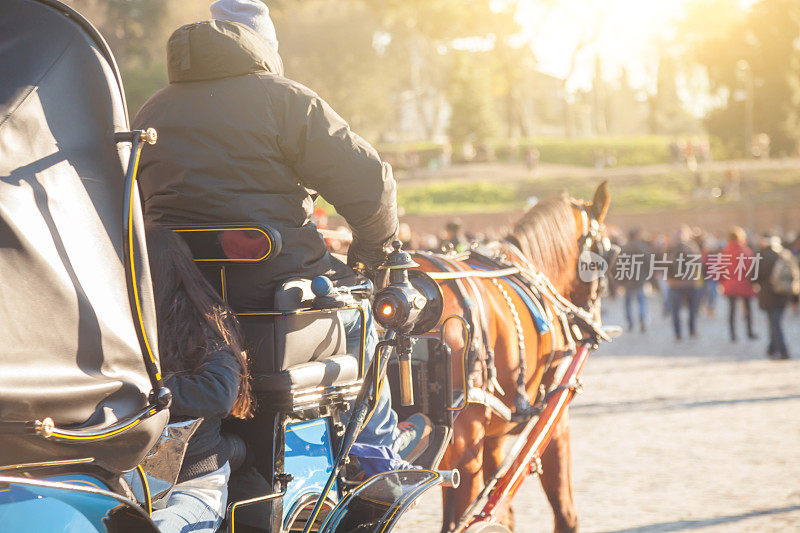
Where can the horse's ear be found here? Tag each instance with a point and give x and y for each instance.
(600, 202)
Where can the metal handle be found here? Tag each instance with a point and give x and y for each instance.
(362, 289)
(361, 413)
(450, 478)
(406, 384)
(612, 331)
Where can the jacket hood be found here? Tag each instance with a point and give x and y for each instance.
(215, 49)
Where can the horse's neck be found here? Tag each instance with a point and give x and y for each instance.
(560, 280)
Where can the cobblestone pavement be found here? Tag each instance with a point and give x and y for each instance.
(701, 435)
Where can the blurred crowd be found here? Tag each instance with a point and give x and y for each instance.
(453, 237)
(692, 269)
(689, 152)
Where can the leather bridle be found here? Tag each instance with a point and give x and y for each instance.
(592, 240)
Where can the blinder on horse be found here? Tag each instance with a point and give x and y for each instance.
(594, 253)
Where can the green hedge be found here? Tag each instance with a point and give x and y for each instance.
(643, 150)
(722, 150)
(429, 197)
(405, 156)
(584, 151)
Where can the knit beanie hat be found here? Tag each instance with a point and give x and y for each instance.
(252, 13)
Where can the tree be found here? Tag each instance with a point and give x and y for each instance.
(667, 114)
(512, 61)
(470, 96)
(334, 48)
(137, 32)
(430, 39)
(585, 30)
(755, 59)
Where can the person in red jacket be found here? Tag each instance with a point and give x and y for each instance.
(736, 262)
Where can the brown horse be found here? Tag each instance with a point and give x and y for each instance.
(549, 235)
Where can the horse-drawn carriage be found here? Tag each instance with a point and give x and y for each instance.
(85, 443)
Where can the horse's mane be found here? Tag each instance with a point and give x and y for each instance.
(545, 233)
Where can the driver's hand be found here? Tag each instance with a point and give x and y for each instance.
(371, 264)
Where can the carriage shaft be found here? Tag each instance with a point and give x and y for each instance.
(506, 486)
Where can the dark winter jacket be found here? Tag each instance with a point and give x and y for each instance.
(685, 268)
(767, 298)
(638, 259)
(238, 142)
(210, 393)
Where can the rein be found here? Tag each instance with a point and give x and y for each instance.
(475, 274)
(590, 238)
(537, 279)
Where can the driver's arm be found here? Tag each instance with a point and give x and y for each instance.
(341, 166)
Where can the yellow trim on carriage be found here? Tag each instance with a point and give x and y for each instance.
(232, 507)
(137, 155)
(399, 504)
(94, 437)
(145, 490)
(228, 259)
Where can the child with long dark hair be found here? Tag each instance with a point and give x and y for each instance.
(205, 367)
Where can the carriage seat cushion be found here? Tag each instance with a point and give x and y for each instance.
(336, 370)
(277, 343)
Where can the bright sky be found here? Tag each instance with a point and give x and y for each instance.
(627, 35)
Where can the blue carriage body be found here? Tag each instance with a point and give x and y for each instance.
(309, 459)
(66, 503)
(61, 505)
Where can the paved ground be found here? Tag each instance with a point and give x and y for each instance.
(699, 435)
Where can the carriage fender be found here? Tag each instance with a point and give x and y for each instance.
(377, 504)
(75, 502)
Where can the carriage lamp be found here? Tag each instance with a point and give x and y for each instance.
(398, 307)
(410, 305)
(412, 302)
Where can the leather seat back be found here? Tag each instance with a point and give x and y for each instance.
(278, 342)
(293, 349)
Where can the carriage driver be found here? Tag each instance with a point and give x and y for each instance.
(240, 142)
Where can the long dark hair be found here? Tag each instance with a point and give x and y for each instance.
(187, 307)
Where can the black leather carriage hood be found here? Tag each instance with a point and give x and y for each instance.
(215, 49)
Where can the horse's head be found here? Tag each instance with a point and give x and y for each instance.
(559, 235)
(592, 247)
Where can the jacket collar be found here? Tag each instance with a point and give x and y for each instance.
(215, 49)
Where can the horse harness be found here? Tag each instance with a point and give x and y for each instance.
(592, 240)
(480, 355)
(546, 306)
